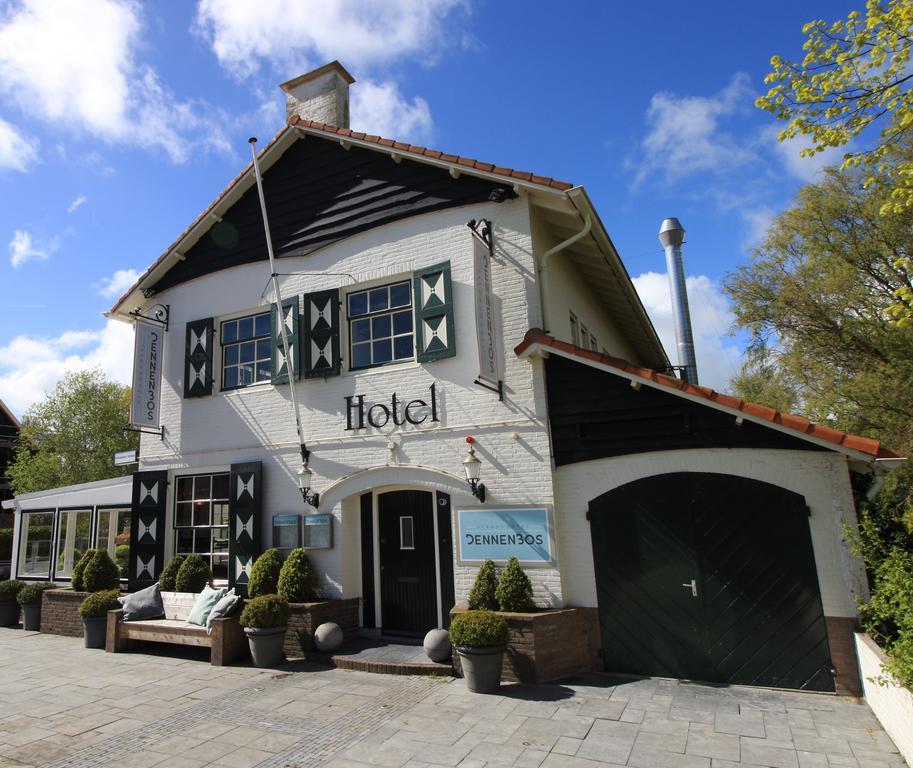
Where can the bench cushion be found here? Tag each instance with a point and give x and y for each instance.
(144, 604)
(204, 604)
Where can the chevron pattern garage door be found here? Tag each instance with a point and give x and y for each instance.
(709, 577)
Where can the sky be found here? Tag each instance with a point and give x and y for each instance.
(121, 121)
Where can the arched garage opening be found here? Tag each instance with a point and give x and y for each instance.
(709, 577)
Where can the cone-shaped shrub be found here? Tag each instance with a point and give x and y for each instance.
(77, 581)
(297, 578)
(169, 574)
(264, 576)
(515, 591)
(101, 573)
(482, 595)
(193, 575)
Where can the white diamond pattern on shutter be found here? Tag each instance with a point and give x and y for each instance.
(198, 358)
(435, 338)
(280, 357)
(321, 339)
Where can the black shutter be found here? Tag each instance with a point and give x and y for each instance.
(434, 331)
(321, 334)
(147, 528)
(279, 358)
(367, 560)
(445, 556)
(245, 500)
(198, 359)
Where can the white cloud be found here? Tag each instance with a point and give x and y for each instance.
(807, 169)
(718, 359)
(16, 153)
(113, 287)
(685, 135)
(23, 248)
(31, 366)
(80, 200)
(380, 108)
(77, 62)
(294, 36)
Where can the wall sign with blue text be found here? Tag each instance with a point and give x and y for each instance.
(497, 534)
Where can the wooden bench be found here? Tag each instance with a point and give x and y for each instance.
(227, 641)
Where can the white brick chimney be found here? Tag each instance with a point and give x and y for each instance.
(321, 95)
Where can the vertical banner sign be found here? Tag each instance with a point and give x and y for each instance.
(147, 374)
(486, 325)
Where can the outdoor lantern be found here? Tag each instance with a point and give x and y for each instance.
(304, 484)
(473, 468)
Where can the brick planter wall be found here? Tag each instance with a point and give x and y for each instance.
(840, 638)
(548, 645)
(60, 612)
(306, 617)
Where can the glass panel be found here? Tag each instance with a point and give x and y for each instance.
(263, 371)
(202, 541)
(201, 512)
(231, 355)
(219, 568)
(183, 514)
(247, 352)
(185, 488)
(263, 349)
(220, 486)
(380, 326)
(402, 322)
(201, 487)
(35, 545)
(185, 541)
(406, 536)
(361, 330)
(72, 540)
(383, 352)
(402, 347)
(399, 295)
(361, 355)
(245, 328)
(358, 304)
(229, 331)
(261, 324)
(245, 375)
(379, 299)
(231, 378)
(220, 513)
(105, 516)
(121, 518)
(220, 540)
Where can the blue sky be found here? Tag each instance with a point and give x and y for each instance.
(120, 122)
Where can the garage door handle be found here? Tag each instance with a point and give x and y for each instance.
(693, 585)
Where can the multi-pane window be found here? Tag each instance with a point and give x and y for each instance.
(72, 539)
(380, 325)
(113, 536)
(35, 544)
(201, 520)
(245, 351)
(575, 330)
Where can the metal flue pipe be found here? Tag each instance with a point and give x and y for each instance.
(672, 235)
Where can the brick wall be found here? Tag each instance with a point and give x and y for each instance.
(841, 639)
(60, 612)
(306, 617)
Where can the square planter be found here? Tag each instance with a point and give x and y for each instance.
(306, 617)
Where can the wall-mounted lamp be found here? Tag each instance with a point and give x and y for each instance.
(304, 485)
(473, 468)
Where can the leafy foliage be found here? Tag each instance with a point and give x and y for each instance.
(30, 594)
(297, 578)
(169, 574)
(9, 590)
(98, 604)
(193, 574)
(70, 436)
(77, 578)
(514, 591)
(101, 573)
(264, 575)
(6, 543)
(478, 629)
(265, 611)
(482, 596)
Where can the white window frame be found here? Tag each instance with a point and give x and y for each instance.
(369, 316)
(210, 527)
(256, 339)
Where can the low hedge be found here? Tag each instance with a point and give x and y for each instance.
(479, 629)
(9, 590)
(30, 594)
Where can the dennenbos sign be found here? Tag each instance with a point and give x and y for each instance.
(147, 374)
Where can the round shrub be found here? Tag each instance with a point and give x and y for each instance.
(482, 595)
(515, 591)
(264, 576)
(478, 629)
(30, 594)
(193, 575)
(9, 590)
(264, 612)
(98, 604)
(101, 573)
(297, 578)
(77, 579)
(170, 574)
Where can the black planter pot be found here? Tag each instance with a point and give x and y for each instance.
(95, 629)
(481, 667)
(266, 645)
(31, 617)
(9, 613)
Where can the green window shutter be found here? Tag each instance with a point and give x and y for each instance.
(434, 329)
(279, 357)
(321, 334)
(198, 359)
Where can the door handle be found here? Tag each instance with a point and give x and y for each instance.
(693, 585)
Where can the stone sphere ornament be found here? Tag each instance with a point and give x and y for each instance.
(328, 637)
(437, 645)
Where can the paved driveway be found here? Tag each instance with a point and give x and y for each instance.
(62, 705)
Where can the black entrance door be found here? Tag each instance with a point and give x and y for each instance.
(408, 586)
(709, 577)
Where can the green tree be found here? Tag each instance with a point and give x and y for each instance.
(70, 437)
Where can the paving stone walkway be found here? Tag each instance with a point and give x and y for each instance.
(63, 706)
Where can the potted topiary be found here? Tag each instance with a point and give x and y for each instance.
(77, 578)
(297, 579)
(29, 597)
(515, 591)
(265, 619)
(480, 638)
(9, 608)
(482, 595)
(94, 611)
(264, 575)
(170, 573)
(193, 575)
(100, 573)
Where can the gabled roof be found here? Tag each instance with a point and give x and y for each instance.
(856, 446)
(10, 415)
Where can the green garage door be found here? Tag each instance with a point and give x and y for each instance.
(709, 577)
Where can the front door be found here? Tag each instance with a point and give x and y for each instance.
(408, 578)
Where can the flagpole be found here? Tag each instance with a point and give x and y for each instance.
(305, 453)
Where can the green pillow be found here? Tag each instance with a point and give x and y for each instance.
(204, 604)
